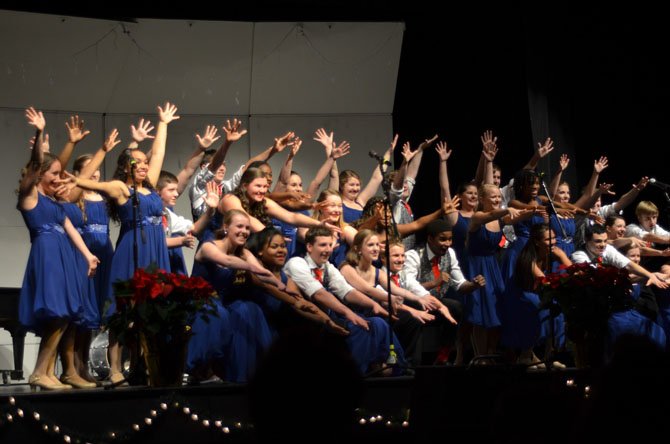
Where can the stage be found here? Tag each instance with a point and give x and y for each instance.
(477, 404)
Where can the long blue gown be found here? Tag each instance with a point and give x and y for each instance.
(51, 286)
(522, 232)
(565, 243)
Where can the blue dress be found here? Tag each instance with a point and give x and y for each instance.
(51, 286)
(565, 243)
(480, 306)
(91, 314)
(524, 325)
(211, 341)
(522, 232)
(177, 262)
(96, 238)
(350, 214)
(151, 246)
(251, 335)
(460, 235)
(289, 232)
(632, 322)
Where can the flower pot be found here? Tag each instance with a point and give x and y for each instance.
(165, 357)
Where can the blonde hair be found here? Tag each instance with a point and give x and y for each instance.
(645, 208)
(483, 192)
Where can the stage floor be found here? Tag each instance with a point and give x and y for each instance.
(473, 404)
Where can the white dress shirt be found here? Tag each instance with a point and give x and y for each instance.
(300, 270)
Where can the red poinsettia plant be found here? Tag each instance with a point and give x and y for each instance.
(156, 302)
(587, 294)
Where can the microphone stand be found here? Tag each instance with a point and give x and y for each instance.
(552, 334)
(392, 359)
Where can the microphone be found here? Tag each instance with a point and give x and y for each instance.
(378, 158)
(658, 184)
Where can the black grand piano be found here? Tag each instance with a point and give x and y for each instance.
(9, 320)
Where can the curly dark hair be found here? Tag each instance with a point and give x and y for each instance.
(123, 164)
(255, 209)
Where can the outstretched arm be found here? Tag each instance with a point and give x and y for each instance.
(415, 162)
(92, 166)
(542, 150)
(280, 145)
(285, 173)
(335, 153)
(166, 116)
(484, 172)
(598, 166)
(27, 189)
(194, 160)
(563, 163)
(233, 134)
(631, 195)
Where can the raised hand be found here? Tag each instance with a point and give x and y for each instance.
(212, 198)
(283, 141)
(75, 129)
(233, 131)
(324, 138)
(642, 184)
(142, 131)
(407, 152)
(450, 206)
(295, 148)
(443, 151)
(168, 114)
(563, 162)
(43, 143)
(36, 118)
(606, 188)
(111, 141)
(208, 138)
(600, 164)
(389, 152)
(427, 143)
(545, 148)
(489, 142)
(341, 150)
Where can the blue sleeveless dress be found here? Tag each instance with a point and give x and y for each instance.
(251, 335)
(481, 304)
(460, 235)
(351, 214)
(96, 238)
(51, 286)
(211, 341)
(91, 314)
(289, 232)
(522, 232)
(565, 243)
(151, 246)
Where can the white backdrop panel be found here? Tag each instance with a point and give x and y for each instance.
(325, 68)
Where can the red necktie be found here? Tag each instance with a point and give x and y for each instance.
(318, 274)
(165, 222)
(407, 207)
(436, 271)
(396, 279)
(503, 239)
(436, 266)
